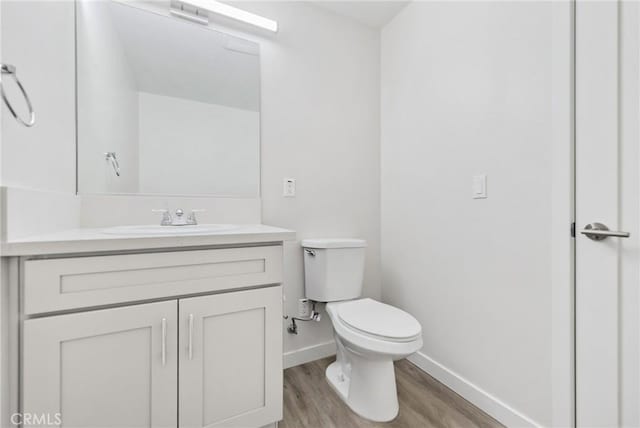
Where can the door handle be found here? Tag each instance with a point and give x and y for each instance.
(599, 232)
(190, 345)
(164, 342)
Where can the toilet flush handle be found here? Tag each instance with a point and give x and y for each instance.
(312, 253)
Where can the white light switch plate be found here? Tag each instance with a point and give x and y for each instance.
(289, 188)
(479, 187)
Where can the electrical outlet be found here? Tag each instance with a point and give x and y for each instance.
(304, 308)
(289, 188)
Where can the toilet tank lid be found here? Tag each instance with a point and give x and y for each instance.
(334, 243)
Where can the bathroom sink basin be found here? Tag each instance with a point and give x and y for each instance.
(155, 230)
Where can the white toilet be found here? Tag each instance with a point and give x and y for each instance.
(369, 335)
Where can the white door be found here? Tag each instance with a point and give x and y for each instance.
(231, 359)
(607, 192)
(106, 368)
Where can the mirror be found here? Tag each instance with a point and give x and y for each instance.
(164, 105)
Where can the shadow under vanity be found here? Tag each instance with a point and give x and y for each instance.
(172, 322)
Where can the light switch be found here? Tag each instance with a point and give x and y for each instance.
(289, 189)
(479, 187)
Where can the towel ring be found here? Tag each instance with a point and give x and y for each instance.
(8, 69)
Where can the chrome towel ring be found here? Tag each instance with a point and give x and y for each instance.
(111, 157)
(10, 70)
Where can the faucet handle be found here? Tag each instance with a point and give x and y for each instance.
(166, 216)
(192, 217)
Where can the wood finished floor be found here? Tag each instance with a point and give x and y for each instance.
(309, 402)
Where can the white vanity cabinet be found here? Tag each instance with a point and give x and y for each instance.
(230, 359)
(103, 368)
(198, 345)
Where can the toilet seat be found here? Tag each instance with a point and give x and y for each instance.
(379, 320)
(359, 338)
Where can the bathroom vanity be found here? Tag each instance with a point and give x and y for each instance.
(135, 330)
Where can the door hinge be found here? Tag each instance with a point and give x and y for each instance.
(573, 230)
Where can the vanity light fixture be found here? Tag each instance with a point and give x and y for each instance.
(234, 13)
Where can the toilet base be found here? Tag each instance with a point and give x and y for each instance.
(369, 390)
(338, 382)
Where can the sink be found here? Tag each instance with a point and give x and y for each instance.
(156, 230)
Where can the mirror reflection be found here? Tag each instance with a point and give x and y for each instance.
(165, 106)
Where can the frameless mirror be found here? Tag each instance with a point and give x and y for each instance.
(164, 105)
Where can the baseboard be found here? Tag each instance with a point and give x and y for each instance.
(491, 405)
(308, 354)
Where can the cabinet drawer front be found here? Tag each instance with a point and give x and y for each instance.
(60, 284)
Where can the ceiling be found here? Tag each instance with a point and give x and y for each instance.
(375, 14)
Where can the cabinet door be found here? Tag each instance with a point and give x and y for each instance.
(107, 368)
(231, 359)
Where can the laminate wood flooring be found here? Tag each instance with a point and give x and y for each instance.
(309, 402)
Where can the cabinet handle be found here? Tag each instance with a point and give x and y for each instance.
(190, 346)
(164, 342)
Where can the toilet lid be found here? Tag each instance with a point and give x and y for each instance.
(378, 319)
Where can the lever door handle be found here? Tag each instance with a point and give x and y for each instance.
(599, 232)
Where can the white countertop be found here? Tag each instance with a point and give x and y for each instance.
(97, 240)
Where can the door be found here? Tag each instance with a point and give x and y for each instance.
(607, 193)
(231, 359)
(106, 368)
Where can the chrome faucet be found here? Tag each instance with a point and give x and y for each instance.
(178, 218)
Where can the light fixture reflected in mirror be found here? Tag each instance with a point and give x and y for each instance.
(177, 8)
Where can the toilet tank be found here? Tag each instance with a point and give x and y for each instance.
(333, 268)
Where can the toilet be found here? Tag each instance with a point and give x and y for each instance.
(369, 335)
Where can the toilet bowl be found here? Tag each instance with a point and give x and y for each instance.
(369, 335)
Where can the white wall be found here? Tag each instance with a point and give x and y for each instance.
(466, 90)
(107, 104)
(38, 38)
(192, 147)
(320, 125)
